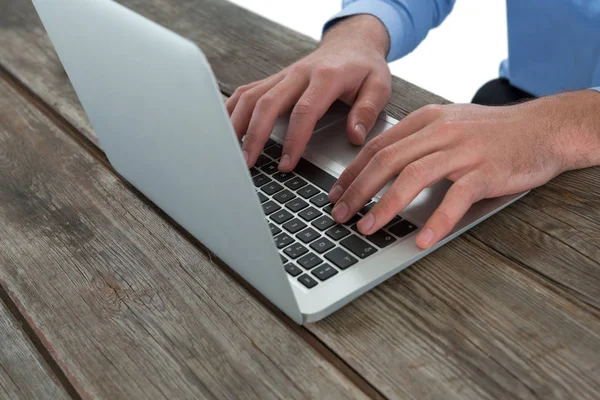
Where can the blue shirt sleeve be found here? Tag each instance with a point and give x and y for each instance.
(407, 21)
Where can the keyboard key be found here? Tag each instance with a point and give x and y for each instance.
(307, 191)
(254, 172)
(315, 175)
(307, 281)
(270, 207)
(283, 176)
(270, 168)
(402, 228)
(394, 220)
(271, 188)
(294, 225)
(274, 151)
(296, 205)
(309, 261)
(260, 180)
(292, 269)
(341, 258)
(282, 240)
(283, 259)
(381, 238)
(262, 161)
(274, 229)
(310, 213)
(269, 143)
(327, 210)
(308, 235)
(322, 245)
(358, 246)
(324, 272)
(295, 250)
(320, 200)
(296, 183)
(323, 223)
(366, 208)
(337, 232)
(261, 197)
(284, 196)
(281, 216)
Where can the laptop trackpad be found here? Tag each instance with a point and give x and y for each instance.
(332, 141)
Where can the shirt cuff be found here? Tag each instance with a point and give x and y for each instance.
(400, 38)
(597, 88)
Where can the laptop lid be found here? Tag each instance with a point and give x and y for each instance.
(156, 107)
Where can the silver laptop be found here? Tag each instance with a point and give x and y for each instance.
(156, 107)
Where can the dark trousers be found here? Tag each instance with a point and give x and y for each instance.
(499, 92)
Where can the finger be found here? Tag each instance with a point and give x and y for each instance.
(240, 118)
(410, 124)
(459, 198)
(372, 98)
(409, 155)
(269, 107)
(231, 102)
(411, 181)
(319, 96)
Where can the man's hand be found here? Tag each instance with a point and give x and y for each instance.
(486, 151)
(349, 65)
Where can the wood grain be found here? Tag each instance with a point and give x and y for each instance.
(23, 372)
(509, 311)
(124, 303)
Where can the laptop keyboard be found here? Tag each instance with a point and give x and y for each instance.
(313, 247)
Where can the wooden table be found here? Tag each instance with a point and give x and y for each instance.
(103, 296)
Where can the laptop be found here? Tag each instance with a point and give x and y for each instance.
(156, 108)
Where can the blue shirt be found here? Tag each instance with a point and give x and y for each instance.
(553, 45)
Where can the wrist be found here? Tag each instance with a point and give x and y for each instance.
(362, 30)
(579, 137)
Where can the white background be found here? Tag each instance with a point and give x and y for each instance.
(453, 61)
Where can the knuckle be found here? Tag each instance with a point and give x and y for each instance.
(353, 195)
(415, 171)
(384, 157)
(388, 204)
(324, 71)
(369, 108)
(464, 189)
(347, 176)
(444, 219)
(241, 89)
(265, 103)
(246, 98)
(299, 69)
(373, 146)
(303, 108)
(433, 110)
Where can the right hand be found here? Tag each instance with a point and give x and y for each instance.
(350, 65)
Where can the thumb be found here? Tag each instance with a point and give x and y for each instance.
(372, 98)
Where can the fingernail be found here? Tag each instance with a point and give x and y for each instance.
(285, 161)
(340, 211)
(335, 193)
(361, 129)
(365, 224)
(245, 154)
(427, 238)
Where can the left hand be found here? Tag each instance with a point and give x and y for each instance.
(486, 151)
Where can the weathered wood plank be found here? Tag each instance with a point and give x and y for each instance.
(467, 322)
(23, 372)
(124, 303)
